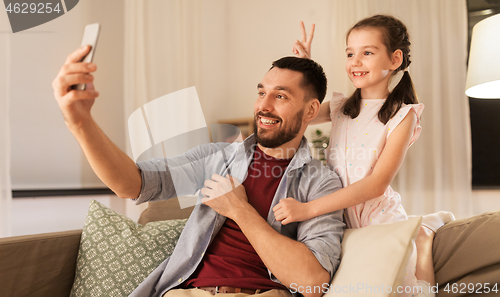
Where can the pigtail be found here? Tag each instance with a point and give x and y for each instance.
(352, 105)
(403, 93)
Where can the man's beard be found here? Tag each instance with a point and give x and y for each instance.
(280, 137)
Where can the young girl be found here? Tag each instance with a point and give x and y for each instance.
(371, 132)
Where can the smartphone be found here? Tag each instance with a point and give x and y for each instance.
(90, 37)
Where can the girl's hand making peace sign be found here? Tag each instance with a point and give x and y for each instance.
(302, 49)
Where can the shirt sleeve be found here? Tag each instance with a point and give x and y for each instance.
(402, 113)
(323, 234)
(182, 175)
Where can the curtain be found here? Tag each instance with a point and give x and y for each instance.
(5, 187)
(436, 174)
(162, 55)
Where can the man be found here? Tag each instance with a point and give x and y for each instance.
(232, 242)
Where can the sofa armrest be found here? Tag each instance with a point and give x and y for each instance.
(466, 254)
(38, 265)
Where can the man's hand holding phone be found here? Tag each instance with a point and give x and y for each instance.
(117, 170)
(75, 104)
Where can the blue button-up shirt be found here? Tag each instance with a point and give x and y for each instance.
(305, 179)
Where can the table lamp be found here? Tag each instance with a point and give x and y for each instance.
(483, 75)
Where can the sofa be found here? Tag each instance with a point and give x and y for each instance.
(466, 256)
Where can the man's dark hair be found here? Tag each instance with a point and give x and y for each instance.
(314, 78)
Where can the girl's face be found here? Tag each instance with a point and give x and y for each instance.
(368, 65)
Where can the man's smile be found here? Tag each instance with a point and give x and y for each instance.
(268, 122)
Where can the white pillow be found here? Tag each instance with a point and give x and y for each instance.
(374, 259)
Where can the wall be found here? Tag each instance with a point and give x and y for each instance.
(257, 33)
(44, 153)
(53, 214)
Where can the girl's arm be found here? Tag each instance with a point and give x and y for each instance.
(302, 49)
(325, 109)
(290, 210)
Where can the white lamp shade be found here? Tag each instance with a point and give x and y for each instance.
(483, 75)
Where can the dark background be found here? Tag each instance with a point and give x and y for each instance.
(484, 115)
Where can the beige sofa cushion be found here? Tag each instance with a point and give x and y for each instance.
(374, 259)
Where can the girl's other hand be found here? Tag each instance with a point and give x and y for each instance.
(290, 210)
(302, 49)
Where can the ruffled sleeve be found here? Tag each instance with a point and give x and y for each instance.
(336, 104)
(396, 120)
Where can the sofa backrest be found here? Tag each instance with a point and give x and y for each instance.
(164, 210)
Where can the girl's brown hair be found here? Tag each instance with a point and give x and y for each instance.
(394, 36)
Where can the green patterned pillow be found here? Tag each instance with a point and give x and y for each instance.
(116, 254)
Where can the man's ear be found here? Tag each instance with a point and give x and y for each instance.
(312, 110)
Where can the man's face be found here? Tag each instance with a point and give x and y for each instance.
(279, 109)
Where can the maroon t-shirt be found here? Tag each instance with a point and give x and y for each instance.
(230, 260)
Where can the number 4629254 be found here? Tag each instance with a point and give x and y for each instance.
(478, 288)
(33, 8)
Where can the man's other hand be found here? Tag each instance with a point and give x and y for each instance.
(225, 195)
